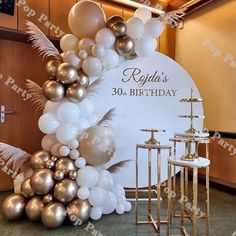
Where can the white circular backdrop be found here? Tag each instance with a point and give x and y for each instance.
(147, 105)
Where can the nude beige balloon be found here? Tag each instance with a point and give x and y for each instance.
(13, 207)
(97, 145)
(86, 18)
(34, 208)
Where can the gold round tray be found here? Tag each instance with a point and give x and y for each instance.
(192, 100)
(153, 130)
(191, 116)
(191, 140)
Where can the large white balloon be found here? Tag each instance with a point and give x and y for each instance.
(69, 42)
(87, 177)
(48, 123)
(109, 204)
(48, 141)
(143, 13)
(86, 108)
(96, 213)
(145, 46)
(97, 196)
(106, 38)
(110, 59)
(154, 28)
(105, 180)
(71, 57)
(92, 66)
(68, 112)
(135, 28)
(66, 133)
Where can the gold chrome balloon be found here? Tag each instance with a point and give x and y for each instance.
(119, 29)
(65, 191)
(26, 188)
(53, 215)
(42, 181)
(34, 208)
(39, 159)
(54, 158)
(101, 151)
(65, 164)
(50, 164)
(75, 93)
(113, 20)
(51, 68)
(59, 175)
(79, 209)
(66, 73)
(83, 79)
(53, 90)
(125, 46)
(47, 198)
(13, 207)
(72, 174)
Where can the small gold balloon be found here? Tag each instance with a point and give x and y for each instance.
(79, 209)
(54, 158)
(50, 164)
(72, 174)
(51, 68)
(75, 93)
(42, 181)
(66, 73)
(53, 90)
(13, 207)
(59, 175)
(47, 198)
(113, 20)
(65, 191)
(39, 160)
(119, 29)
(34, 208)
(26, 188)
(53, 215)
(125, 46)
(83, 79)
(65, 164)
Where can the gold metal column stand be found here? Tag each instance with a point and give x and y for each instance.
(155, 222)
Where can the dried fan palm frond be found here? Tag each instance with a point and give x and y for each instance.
(40, 41)
(107, 117)
(12, 156)
(38, 98)
(116, 167)
(173, 18)
(92, 88)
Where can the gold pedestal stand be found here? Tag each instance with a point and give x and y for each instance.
(152, 139)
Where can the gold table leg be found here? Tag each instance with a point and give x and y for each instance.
(207, 202)
(136, 192)
(149, 182)
(195, 201)
(158, 188)
(182, 197)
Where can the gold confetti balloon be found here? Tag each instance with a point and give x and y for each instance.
(53, 90)
(66, 73)
(39, 159)
(34, 208)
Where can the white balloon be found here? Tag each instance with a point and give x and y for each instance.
(154, 28)
(105, 180)
(86, 107)
(71, 57)
(83, 193)
(121, 199)
(92, 119)
(73, 144)
(68, 112)
(51, 107)
(86, 44)
(87, 177)
(66, 132)
(82, 124)
(48, 141)
(64, 151)
(110, 59)
(135, 28)
(105, 37)
(74, 154)
(109, 204)
(96, 213)
(118, 190)
(80, 162)
(128, 206)
(92, 66)
(69, 42)
(98, 50)
(97, 196)
(120, 209)
(143, 13)
(55, 149)
(48, 123)
(145, 46)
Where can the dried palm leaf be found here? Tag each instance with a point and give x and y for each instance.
(14, 157)
(173, 18)
(92, 88)
(40, 42)
(107, 117)
(38, 98)
(116, 167)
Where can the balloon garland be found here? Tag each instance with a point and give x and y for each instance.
(67, 178)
